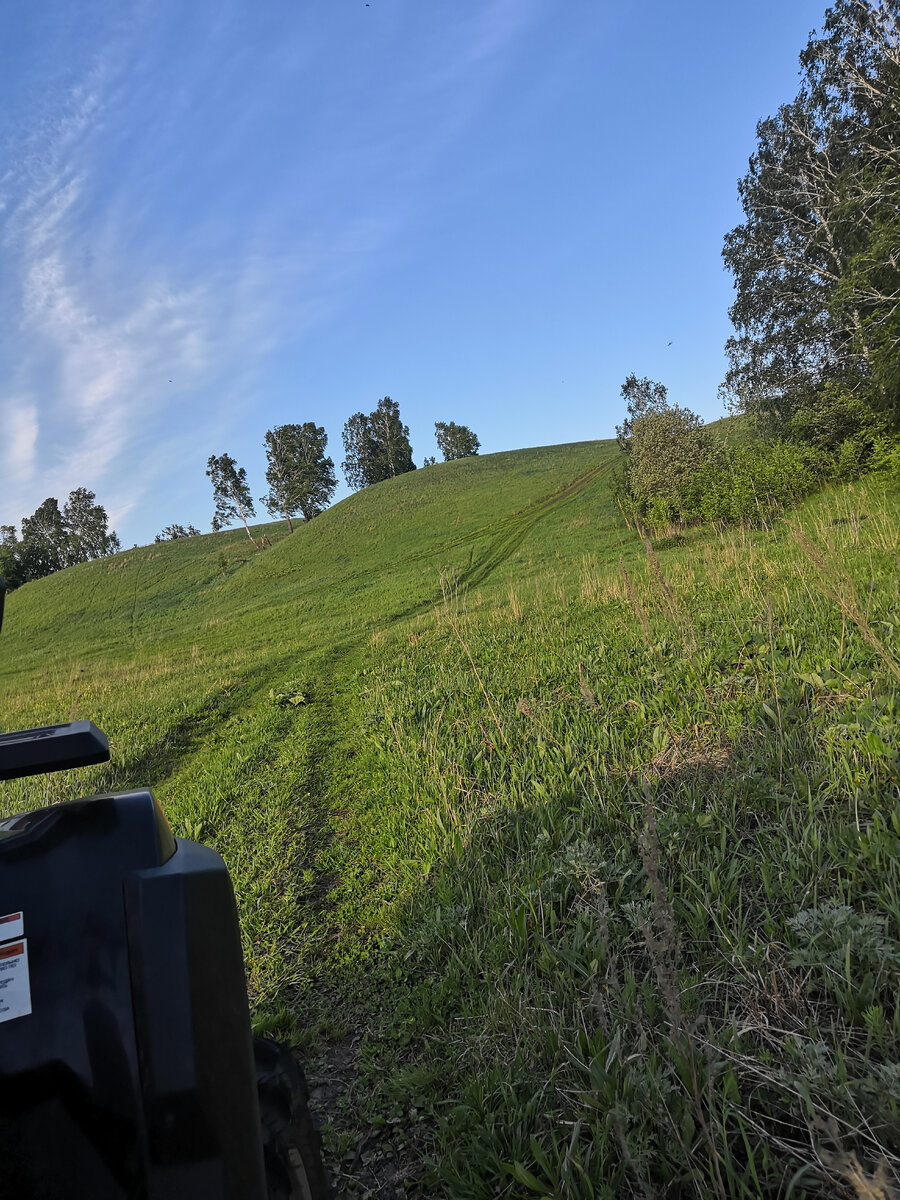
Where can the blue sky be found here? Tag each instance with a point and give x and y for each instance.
(220, 216)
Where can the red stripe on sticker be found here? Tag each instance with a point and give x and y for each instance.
(12, 951)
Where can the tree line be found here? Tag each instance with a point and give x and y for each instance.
(815, 355)
(53, 538)
(301, 477)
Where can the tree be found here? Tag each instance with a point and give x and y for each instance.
(173, 533)
(230, 492)
(664, 445)
(816, 263)
(642, 397)
(10, 562)
(377, 446)
(300, 477)
(361, 452)
(392, 438)
(455, 441)
(44, 545)
(52, 539)
(86, 526)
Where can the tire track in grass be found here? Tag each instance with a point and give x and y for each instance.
(134, 597)
(336, 1069)
(528, 515)
(505, 536)
(337, 662)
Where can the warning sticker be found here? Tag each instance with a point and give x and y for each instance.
(15, 990)
(12, 926)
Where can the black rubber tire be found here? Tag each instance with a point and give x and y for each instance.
(292, 1147)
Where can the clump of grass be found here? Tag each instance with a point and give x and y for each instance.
(635, 601)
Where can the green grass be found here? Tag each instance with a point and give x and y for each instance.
(586, 856)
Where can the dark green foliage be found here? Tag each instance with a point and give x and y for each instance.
(85, 523)
(455, 441)
(816, 263)
(392, 438)
(674, 470)
(300, 477)
(52, 539)
(377, 446)
(171, 533)
(360, 465)
(749, 483)
(11, 569)
(231, 493)
(869, 289)
(43, 548)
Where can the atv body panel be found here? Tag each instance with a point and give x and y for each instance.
(132, 1072)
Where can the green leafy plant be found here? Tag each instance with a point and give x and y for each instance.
(291, 694)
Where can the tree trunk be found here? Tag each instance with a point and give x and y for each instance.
(247, 527)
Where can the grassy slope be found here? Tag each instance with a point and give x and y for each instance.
(524, 778)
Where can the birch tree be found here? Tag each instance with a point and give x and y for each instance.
(455, 441)
(300, 476)
(816, 263)
(376, 445)
(231, 493)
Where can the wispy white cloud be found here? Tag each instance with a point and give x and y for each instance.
(106, 374)
(118, 342)
(103, 358)
(20, 422)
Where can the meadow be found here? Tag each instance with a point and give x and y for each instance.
(569, 857)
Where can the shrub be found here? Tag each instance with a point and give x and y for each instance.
(738, 484)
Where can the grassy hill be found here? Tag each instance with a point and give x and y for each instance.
(572, 862)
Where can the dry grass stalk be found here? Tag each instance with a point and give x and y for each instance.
(688, 754)
(526, 710)
(587, 693)
(599, 583)
(452, 593)
(846, 1165)
(634, 601)
(454, 625)
(676, 611)
(865, 1186)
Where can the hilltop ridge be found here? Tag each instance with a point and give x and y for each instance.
(347, 562)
